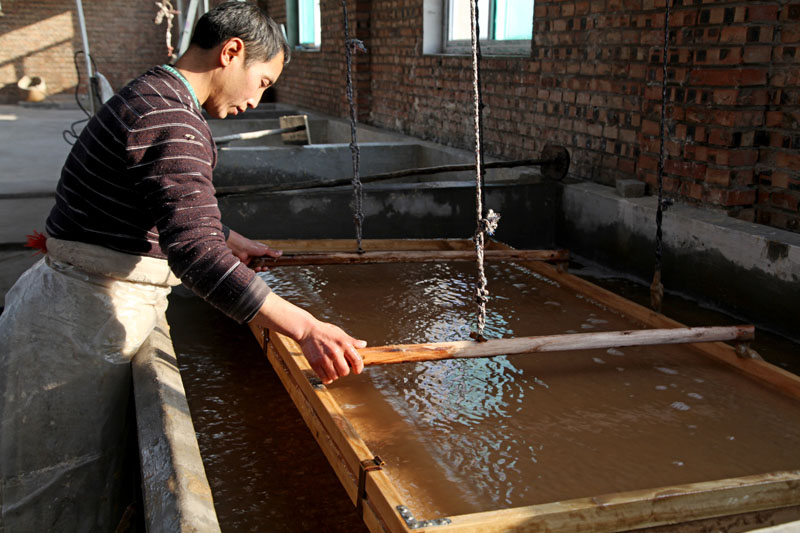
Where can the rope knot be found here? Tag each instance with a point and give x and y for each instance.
(166, 11)
(481, 295)
(357, 45)
(489, 224)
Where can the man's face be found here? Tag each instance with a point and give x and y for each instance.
(239, 87)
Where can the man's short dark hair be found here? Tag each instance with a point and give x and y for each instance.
(262, 37)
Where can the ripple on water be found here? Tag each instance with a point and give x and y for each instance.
(489, 423)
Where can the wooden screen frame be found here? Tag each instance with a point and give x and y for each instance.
(773, 496)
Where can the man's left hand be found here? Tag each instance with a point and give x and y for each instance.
(247, 250)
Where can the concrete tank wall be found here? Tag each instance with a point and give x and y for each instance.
(749, 270)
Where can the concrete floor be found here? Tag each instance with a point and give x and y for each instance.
(32, 151)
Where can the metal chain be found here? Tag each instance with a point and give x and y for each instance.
(358, 194)
(657, 288)
(488, 224)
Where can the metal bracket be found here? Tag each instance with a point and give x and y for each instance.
(413, 523)
(367, 465)
(265, 339)
(316, 383)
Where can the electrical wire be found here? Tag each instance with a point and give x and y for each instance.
(71, 135)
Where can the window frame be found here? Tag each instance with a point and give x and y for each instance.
(293, 28)
(511, 47)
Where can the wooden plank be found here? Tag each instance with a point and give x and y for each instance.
(256, 134)
(777, 378)
(644, 508)
(324, 440)
(289, 122)
(428, 256)
(404, 353)
(344, 438)
(349, 245)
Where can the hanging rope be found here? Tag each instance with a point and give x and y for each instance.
(351, 46)
(657, 288)
(488, 224)
(166, 12)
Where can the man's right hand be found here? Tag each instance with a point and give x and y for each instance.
(330, 351)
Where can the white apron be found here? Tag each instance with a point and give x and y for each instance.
(70, 327)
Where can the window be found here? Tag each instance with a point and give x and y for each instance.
(506, 26)
(303, 24)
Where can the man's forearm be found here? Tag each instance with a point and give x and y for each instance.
(331, 352)
(286, 318)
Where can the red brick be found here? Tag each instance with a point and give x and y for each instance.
(730, 198)
(790, 33)
(718, 176)
(627, 165)
(688, 169)
(774, 119)
(742, 157)
(733, 34)
(741, 197)
(757, 54)
(726, 56)
(719, 137)
(725, 96)
(762, 13)
(780, 180)
(692, 190)
(743, 178)
(647, 162)
(758, 96)
(650, 127)
(728, 77)
(785, 200)
(696, 152)
(789, 160)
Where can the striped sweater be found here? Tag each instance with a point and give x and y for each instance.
(138, 180)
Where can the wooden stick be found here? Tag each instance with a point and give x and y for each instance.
(403, 353)
(427, 256)
(255, 134)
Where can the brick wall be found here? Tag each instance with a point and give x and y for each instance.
(592, 83)
(40, 37)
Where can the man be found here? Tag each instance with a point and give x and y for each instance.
(135, 210)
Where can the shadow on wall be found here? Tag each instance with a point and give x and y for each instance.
(41, 39)
(37, 42)
(10, 93)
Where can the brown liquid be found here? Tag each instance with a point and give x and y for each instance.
(464, 436)
(265, 470)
